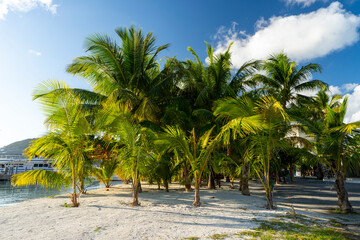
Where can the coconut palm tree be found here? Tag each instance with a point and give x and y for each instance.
(116, 122)
(261, 120)
(66, 143)
(284, 80)
(105, 159)
(126, 72)
(194, 149)
(206, 83)
(338, 148)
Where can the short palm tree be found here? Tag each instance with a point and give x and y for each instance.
(65, 144)
(105, 160)
(195, 150)
(116, 122)
(261, 120)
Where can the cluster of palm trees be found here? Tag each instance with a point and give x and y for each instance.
(187, 121)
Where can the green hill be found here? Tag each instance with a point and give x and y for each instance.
(16, 147)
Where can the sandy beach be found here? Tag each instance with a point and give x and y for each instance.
(162, 215)
(107, 215)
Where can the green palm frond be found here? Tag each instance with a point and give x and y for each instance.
(46, 179)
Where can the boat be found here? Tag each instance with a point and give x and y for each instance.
(13, 164)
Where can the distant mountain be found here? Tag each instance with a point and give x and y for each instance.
(16, 147)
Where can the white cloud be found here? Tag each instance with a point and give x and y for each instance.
(353, 110)
(25, 6)
(35, 53)
(333, 90)
(302, 37)
(349, 86)
(304, 3)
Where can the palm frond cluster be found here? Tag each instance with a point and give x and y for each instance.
(187, 120)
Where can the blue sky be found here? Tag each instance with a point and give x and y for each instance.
(40, 37)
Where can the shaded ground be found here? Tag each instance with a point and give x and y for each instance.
(317, 197)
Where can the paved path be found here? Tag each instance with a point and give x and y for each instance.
(315, 198)
(315, 195)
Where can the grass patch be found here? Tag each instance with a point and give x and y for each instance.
(338, 211)
(191, 238)
(219, 236)
(304, 230)
(294, 227)
(335, 223)
(97, 229)
(51, 196)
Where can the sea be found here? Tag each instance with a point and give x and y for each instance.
(10, 195)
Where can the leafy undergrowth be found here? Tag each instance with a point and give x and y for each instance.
(291, 227)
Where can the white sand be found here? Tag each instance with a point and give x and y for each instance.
(107, 215)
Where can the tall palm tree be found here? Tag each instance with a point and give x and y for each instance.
(206, 83)
(284, 80)
(66, 143)
(127, 72)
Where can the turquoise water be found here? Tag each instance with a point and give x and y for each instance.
(10, 195)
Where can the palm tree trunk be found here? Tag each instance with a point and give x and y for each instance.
(166, 184)
(135, 189)
(74, 199)
(197, 202)
(320, 175)
(277, 177)
(232, 183)
(291, 173)
(269, 198)
(82, 186)
(187, 179)
(342, 194)
(139, 186)
(245, 179)
(211, 181)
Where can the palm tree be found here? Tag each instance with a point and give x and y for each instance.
(338, 148)
(261, 120)
(205, 84)
(116, 122)
(105, 159)
(284, 80)
(196, 150)
(311, 113)
(233, 113)
(126, 72)
(65, 145)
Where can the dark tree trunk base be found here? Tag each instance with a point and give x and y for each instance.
(211, 181)
(197, 202)
(244, 184)
(343, 199)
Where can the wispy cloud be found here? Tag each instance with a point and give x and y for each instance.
(35, 53)
(25, 6)
(304, 3)
(302, 37)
